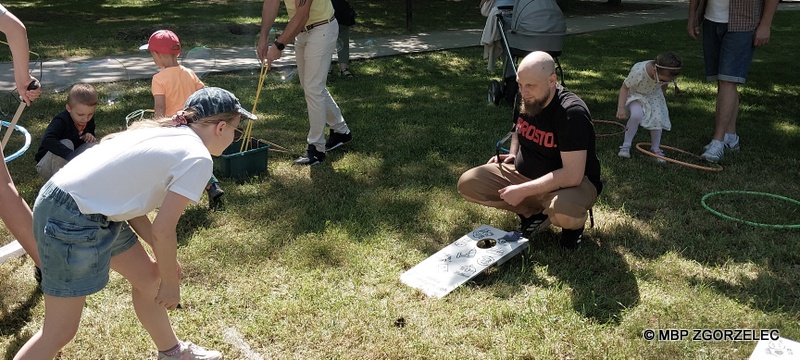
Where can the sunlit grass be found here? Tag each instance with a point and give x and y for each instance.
(304, 262)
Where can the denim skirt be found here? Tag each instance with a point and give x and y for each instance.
(75, 248)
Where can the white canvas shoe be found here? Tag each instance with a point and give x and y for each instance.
(191, 351)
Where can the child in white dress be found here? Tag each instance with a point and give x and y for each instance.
(641, 100)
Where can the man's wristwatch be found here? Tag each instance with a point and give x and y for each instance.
(279, 45)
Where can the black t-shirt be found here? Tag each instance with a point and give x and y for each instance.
(563, 125)
(344, 12)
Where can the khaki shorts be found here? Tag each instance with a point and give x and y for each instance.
(481, 185)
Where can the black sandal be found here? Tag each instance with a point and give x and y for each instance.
(346, 73)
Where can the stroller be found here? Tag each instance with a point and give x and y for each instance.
(526, 26)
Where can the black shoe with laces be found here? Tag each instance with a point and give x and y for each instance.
(312, 156)
(336, 140)
(571, 239)
(528, 226)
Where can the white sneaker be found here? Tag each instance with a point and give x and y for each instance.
(714, 151)
(191, 351)
(731, 142)
(624, 152)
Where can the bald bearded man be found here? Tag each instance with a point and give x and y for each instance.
(551, 173)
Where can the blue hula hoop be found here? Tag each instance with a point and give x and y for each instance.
(24, 147)
(751, 223)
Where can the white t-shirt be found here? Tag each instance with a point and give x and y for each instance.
(717, 11)
(130, 174)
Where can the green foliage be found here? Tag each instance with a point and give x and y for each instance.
(305, 262)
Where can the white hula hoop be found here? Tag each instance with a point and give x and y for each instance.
(24, 147)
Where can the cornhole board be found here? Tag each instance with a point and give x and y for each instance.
(781, 349)
(10, 250)
(444, 271)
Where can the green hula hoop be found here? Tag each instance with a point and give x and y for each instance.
(752, 223)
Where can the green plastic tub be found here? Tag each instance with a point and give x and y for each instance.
(242, 165)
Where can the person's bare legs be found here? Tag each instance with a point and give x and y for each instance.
(62, 315)
(16, 213)
(61, 319)
(727, 109)
(142, 272)
(568, 222)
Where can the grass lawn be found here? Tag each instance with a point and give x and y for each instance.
(62, 29)
(305, 262)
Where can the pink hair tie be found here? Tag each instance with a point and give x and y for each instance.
(668, 67)
(179, 119)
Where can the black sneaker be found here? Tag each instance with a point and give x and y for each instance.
(530, 225)
(37, 274)
(571, 239)
(311, 157)
(215, 195)
(336, 140)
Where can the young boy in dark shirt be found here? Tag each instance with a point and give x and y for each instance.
(69, 133)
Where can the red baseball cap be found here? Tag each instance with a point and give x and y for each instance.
(163, 42)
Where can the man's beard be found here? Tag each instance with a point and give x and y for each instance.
(532, 107)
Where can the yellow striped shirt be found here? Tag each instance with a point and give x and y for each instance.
(321, 10)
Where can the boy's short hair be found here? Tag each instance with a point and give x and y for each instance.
(163, 42)
(82, 93)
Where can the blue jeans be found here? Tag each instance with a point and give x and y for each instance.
(727, 55)
(75, 248)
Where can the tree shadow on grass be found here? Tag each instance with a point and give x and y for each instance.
(600, 281)
(661, 204)
(193, 219)
(330, 199)
(14, 321)
(422, 150)
(749, 291)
